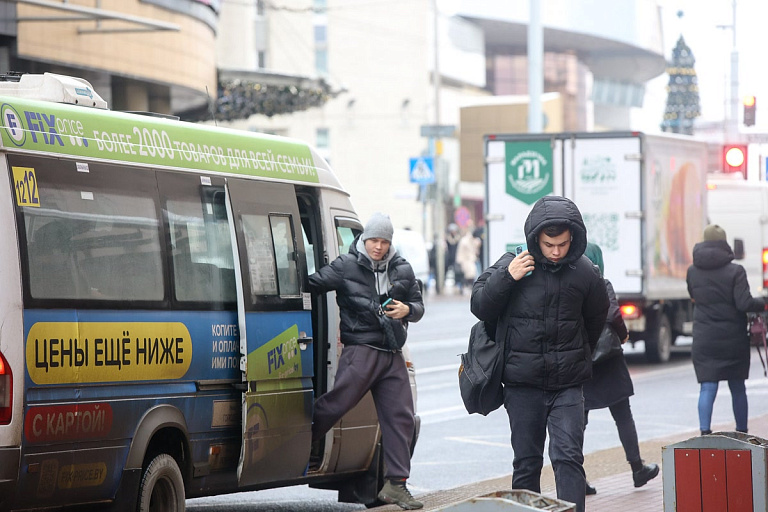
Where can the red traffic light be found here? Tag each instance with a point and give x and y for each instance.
(734, 158)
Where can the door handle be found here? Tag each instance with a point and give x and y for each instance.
(304, 342)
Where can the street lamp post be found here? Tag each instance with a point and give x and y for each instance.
(535, 67)
(732, 114)
(438, 215)
(734, 121)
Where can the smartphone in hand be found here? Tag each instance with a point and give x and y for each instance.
(519, 250)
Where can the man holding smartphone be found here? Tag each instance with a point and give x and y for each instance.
(373, 280)
(549, 305)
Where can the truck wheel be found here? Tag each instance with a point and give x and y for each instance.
(658, 342)
(162, 486)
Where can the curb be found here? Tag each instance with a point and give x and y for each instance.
(607, 470)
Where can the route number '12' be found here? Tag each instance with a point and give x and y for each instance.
(25, 183)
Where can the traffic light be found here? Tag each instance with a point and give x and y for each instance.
(734, 158)
(750, 103)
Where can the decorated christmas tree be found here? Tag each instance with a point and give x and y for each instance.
(682, 91)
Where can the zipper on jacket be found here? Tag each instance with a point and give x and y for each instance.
(545, 345)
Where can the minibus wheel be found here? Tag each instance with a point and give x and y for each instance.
(162, 486)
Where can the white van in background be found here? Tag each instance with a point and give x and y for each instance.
(410, 245)
(741, 208)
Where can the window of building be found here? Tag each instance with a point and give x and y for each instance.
(321, 37)
(321, 61)
(322, 138)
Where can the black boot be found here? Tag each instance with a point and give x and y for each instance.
(642, 473)
(590, 490)
(706, 432)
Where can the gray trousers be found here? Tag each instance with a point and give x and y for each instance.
(361, 369)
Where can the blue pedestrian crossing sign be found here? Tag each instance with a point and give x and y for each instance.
(422, 170)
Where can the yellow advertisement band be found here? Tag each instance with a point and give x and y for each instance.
(71, 352)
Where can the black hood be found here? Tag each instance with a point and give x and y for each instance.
(712, 254)
(550, 210)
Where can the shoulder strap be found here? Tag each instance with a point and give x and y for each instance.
(758, 328)
(765, 349)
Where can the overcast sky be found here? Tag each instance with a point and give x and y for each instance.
(712, 47)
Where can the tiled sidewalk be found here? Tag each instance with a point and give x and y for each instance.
(606, 470)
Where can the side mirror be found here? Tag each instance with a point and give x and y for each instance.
(738, 248)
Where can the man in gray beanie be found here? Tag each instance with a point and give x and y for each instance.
(378, 295)
(378, 226)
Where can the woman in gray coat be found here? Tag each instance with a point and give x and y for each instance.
(721, 349)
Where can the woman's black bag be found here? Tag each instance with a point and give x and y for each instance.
(758, 331)
(608, 346)
(481, 371)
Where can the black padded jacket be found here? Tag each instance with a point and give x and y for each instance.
(549, 321)
(351, 275)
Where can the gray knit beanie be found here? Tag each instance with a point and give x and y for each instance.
(714, 232)
(379, 226)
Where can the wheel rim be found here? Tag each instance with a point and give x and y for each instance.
(163, 496)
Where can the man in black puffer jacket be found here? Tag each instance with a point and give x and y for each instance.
(364, 279)
(549, 306)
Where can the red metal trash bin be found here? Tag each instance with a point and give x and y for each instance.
(720, 472)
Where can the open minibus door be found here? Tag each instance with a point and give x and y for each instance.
(275, 324)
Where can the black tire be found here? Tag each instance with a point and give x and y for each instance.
(162, 486)
(658, 342)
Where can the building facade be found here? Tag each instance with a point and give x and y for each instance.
(143, 55)
(365, 82)
(381, 59)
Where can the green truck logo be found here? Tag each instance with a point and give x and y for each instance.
(598, 170)
(529, 170)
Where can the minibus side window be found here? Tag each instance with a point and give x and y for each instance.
(93, 237)
(203, 265)
(285, 255)
(261, 262)
(346, 235)
(271, 255)
(309, 251)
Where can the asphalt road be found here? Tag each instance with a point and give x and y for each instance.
(456, 448)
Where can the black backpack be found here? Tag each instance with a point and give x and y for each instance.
(481, 371)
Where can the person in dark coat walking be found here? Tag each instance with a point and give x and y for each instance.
(721, 350)
(611, 386)
(364, 279)
(549, 305)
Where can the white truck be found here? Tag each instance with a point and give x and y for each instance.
(643, 198)
(741, 208)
